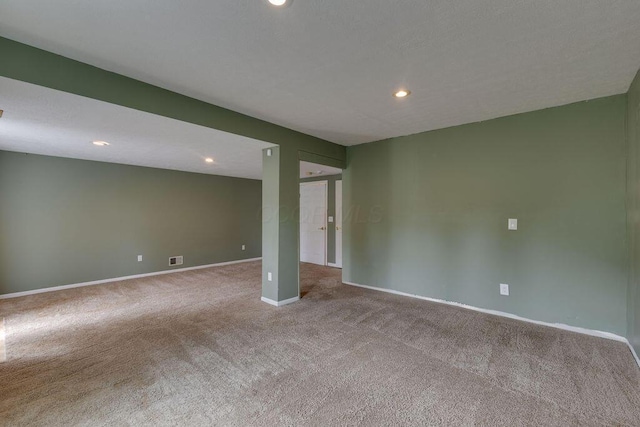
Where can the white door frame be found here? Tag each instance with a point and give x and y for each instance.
(337, 215)
(324, 183)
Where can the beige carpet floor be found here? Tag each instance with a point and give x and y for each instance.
(199, 348)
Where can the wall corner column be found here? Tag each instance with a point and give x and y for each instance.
(280, 225)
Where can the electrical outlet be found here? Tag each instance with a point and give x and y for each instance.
(504, 289)
(139, 258)
(244, 247)
(269, 277)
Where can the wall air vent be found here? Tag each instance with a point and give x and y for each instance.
(176, 260)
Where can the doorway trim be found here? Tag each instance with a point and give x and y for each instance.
(324, 183)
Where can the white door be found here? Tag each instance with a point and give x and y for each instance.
(339, 224)
(313, 222)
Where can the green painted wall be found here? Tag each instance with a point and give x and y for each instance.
(270, 215)
(29, 64)
(37, 66)
(427, 214)
(286, 223)
(633, 204)
(65, 221)
(331, 211)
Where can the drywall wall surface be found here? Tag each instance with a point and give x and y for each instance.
(29, 64)
(427, 214)
(271, 218)
(331, 212)
(633, 212)
(66, 221)
(288, 282)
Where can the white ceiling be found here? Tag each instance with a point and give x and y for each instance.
(328, 68)
(45, 121)
(312, 170)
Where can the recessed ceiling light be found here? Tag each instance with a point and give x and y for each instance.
(278, 2)
(100, 143)
(402, 93)
(208, 160)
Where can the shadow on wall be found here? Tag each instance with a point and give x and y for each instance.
(444, 198)
(366, 221)
(67, 221)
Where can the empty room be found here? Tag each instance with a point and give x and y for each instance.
(297, 212)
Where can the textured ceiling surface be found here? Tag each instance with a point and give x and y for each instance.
(328, 68)
(45, 121)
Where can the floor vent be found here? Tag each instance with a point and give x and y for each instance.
(176, 260)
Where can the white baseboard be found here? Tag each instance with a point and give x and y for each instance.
(118, 279)
(279, 303)
(330, 264)
(635, 355)
(600, 334)
(3, 347)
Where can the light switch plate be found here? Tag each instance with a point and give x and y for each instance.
(513, 224)
(269, 276)
(330, 219)
(504, 289)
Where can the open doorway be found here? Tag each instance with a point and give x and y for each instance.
(320, 214)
